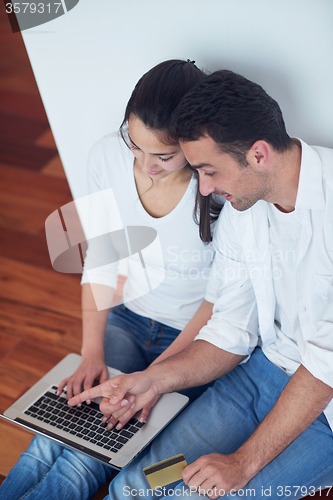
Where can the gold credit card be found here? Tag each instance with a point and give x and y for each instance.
(165, 472)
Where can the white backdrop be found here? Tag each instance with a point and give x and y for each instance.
(87, 62)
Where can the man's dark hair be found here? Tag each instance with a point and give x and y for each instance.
(234, 112)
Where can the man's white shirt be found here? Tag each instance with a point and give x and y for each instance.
(272, 277)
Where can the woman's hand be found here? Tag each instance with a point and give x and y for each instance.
(91, 368)
(123, 396)
(130, 412)
(146, 409)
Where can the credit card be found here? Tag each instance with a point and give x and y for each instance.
(165, 472)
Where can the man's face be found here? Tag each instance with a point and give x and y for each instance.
(221, 174)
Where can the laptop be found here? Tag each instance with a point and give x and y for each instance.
(41, 411)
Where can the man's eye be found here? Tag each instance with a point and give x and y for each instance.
(165, 159)
(210, 174)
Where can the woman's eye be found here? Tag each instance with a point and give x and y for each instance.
(134, 147)
(165, 159)
(210, 174)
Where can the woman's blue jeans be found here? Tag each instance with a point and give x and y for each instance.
(220, 421)
(49, 471)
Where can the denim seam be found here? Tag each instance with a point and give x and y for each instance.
(161, 333)
(40, 482)
(39, 460)
(322, 473)
(36, 486)
(149, 342)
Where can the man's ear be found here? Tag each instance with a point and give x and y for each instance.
(259, 155)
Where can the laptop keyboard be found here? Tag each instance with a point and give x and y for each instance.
(84, 422)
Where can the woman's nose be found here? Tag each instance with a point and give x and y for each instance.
(147, 162)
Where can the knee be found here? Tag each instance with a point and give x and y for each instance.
(84, 465)
(81, 472)
(44, 450)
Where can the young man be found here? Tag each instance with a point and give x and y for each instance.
(264, 428)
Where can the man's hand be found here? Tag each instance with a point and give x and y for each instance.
(90, 369)
(123, 395)
(300, 402)
(216, 474)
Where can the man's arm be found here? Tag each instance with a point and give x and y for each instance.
(200, 363)
(302, 400)
(189, 333)
(177, 372)
(94, 322)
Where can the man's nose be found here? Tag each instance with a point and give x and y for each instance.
(206, 185)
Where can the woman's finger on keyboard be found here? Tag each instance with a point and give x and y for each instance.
(119, 422)
(61, 386)
(106, 417)
(146, 409)
(125, 414)
(112, 422)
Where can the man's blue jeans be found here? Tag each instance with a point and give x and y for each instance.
(220, 421)
(49, 471)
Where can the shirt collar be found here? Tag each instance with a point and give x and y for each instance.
(310, 194)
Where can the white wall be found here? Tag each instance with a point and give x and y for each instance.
(87, 62)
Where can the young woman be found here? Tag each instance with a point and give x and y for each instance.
(163, 306)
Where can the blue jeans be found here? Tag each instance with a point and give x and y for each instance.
(220, 421)
(48, 470)
(132, 341)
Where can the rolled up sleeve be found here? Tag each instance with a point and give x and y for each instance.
(234, 323)
(317, 352)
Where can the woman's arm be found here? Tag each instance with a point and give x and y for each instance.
(93, 330)
(189, 333)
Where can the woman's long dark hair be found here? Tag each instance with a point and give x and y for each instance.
(206, 211)
(158, 92)
(153, 100)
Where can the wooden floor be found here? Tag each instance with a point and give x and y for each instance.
(39, 308)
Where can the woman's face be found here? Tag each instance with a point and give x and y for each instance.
(154, 158)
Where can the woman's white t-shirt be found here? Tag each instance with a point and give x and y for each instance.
(166, 280)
